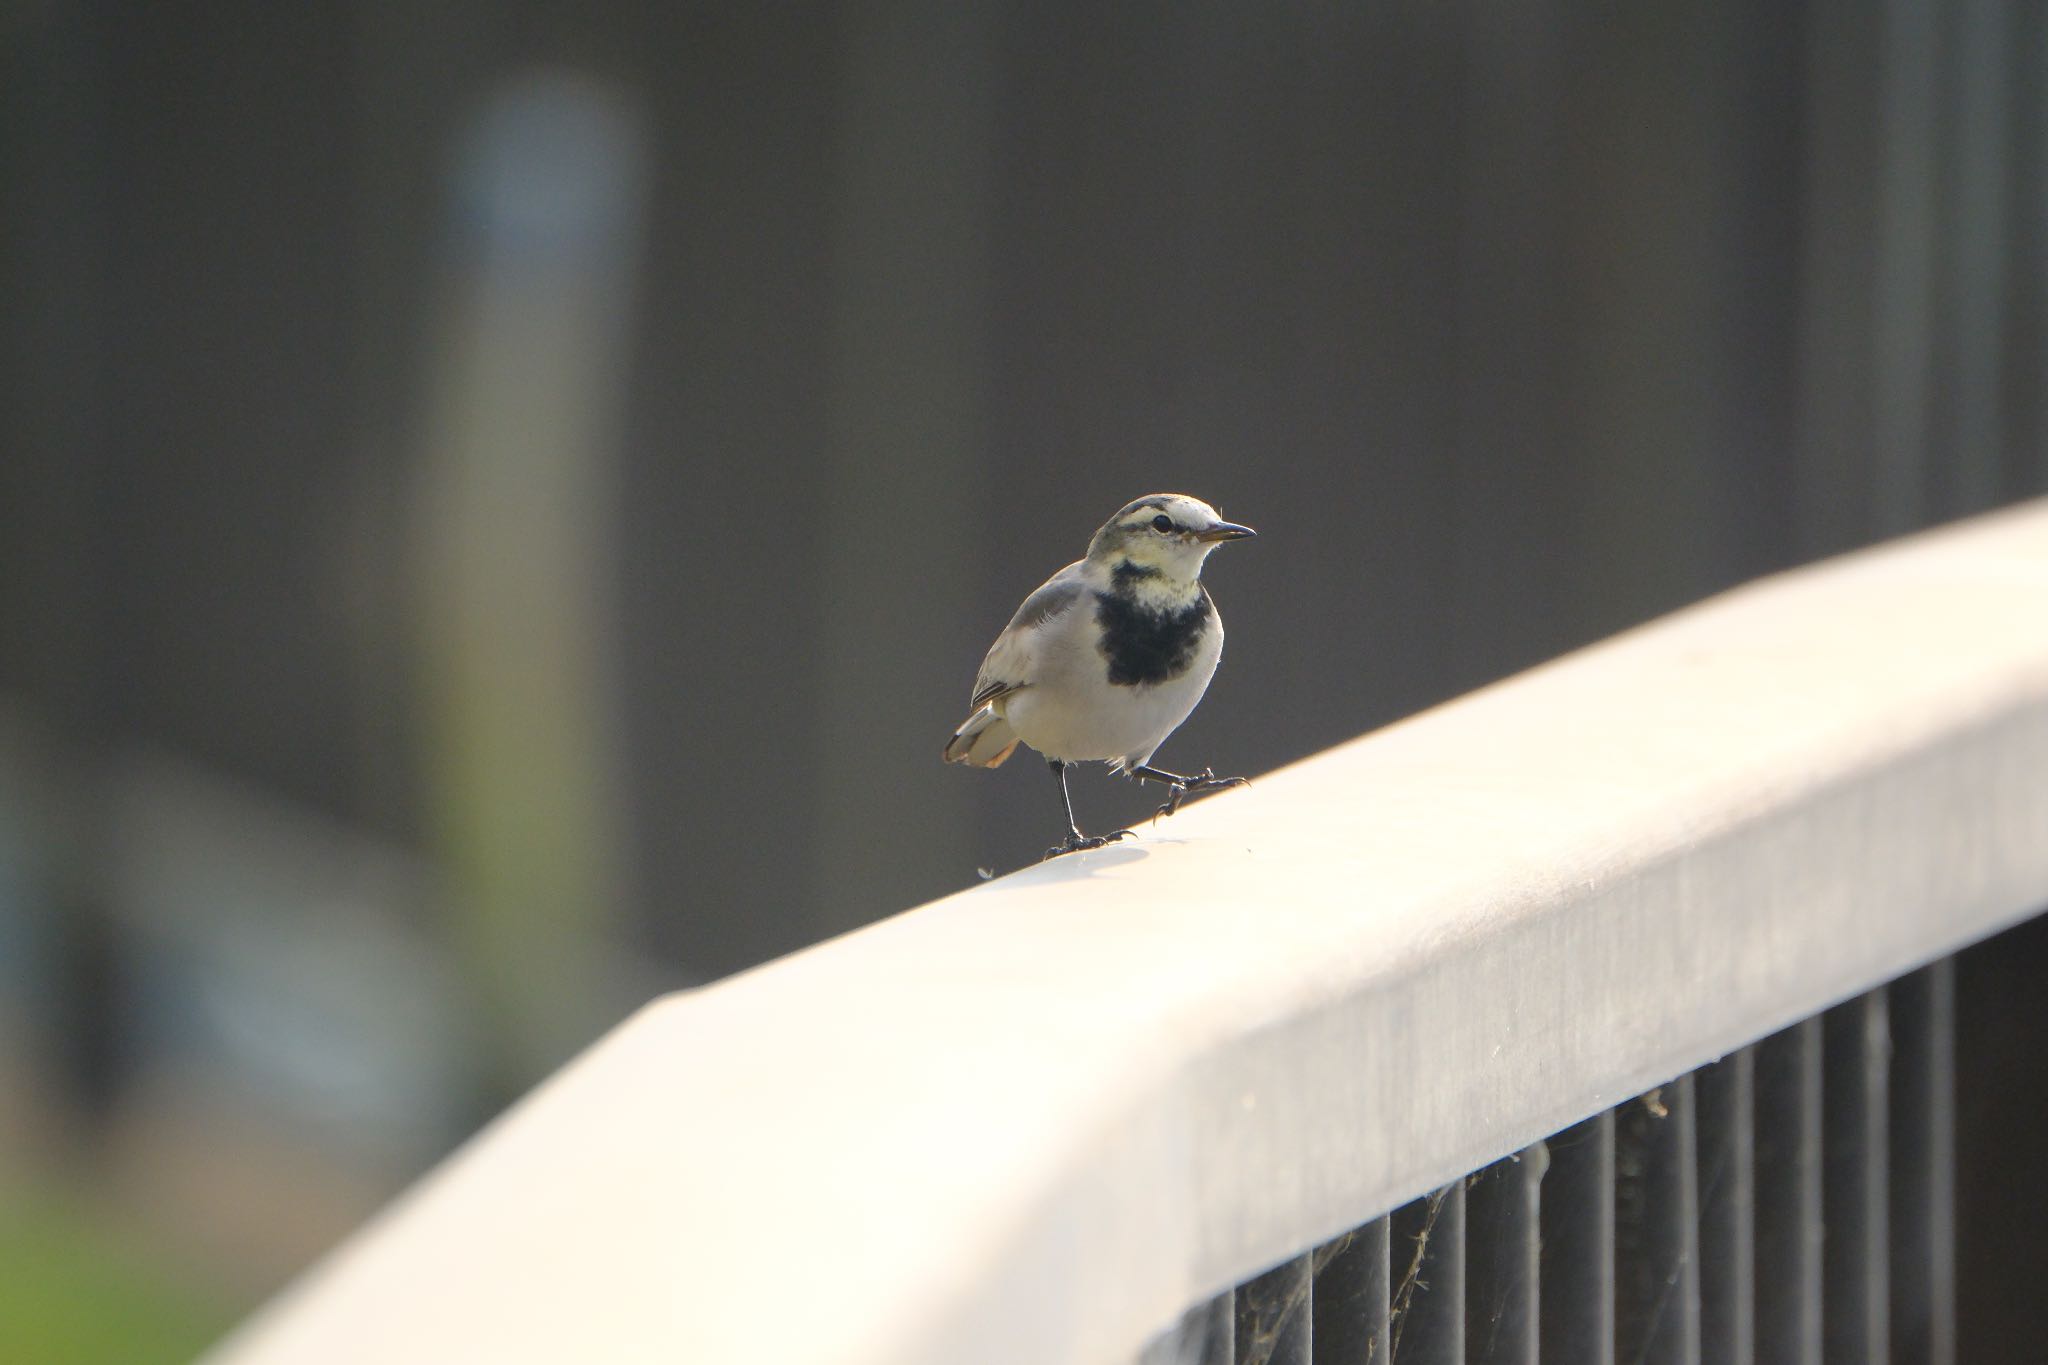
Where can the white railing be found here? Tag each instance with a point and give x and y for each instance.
(1035, 1121)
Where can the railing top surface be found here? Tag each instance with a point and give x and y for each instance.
(1033, 1121)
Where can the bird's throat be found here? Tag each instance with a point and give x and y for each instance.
(1152, 588)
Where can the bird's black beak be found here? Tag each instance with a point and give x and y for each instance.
(1224, 530)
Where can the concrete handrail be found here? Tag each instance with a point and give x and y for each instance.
(1034, 1121)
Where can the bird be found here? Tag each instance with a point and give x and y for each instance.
(1108, 657)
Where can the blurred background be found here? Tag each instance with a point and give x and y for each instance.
(501, 505)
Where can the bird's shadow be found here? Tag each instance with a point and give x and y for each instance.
(1069, 867)
(1073, 867)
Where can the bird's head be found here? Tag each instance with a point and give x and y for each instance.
(1167, 533)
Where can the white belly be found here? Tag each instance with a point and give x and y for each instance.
(1075, 714)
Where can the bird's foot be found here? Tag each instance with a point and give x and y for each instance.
(1081, 843)
(1204, 781)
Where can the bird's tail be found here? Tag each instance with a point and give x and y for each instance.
(984, 739)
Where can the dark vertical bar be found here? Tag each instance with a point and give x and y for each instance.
(2001, 1075)
(1923, 1233)
(1508, 300)
(1577, 1318)
(1428, 1307)
(1973, 308)
(1656, 1229)
(1855, 1258)
(1275, 1314)
(2027, 458)
(1503, 1240)
(905, 387)
(1909, 186)
(1349, 1306)
(1788, 1196)
(1839, 189)
(1727, 1178)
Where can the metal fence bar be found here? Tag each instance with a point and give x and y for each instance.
(1428, 1311)
(1503, 1245)
(1788, 1196)
(1855, 1255)
(1275, 1314)
(1656, 1229)
(1350, 1302)
(1727, 1184)
(1577, 1291)
(1923, 1233)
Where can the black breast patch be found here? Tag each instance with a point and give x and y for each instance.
(1144, 645)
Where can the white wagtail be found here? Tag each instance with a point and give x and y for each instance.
(1106, 659)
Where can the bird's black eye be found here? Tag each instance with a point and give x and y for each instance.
(1162, 523)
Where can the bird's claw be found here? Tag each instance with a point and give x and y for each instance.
(1083, 842)
(1204, 781)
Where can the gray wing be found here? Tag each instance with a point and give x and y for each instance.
(1009, 665)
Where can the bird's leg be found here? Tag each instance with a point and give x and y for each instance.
(1181, 788)
(1059, 774)
(1075, 841)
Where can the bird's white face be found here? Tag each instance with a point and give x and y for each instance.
(1168, 532)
